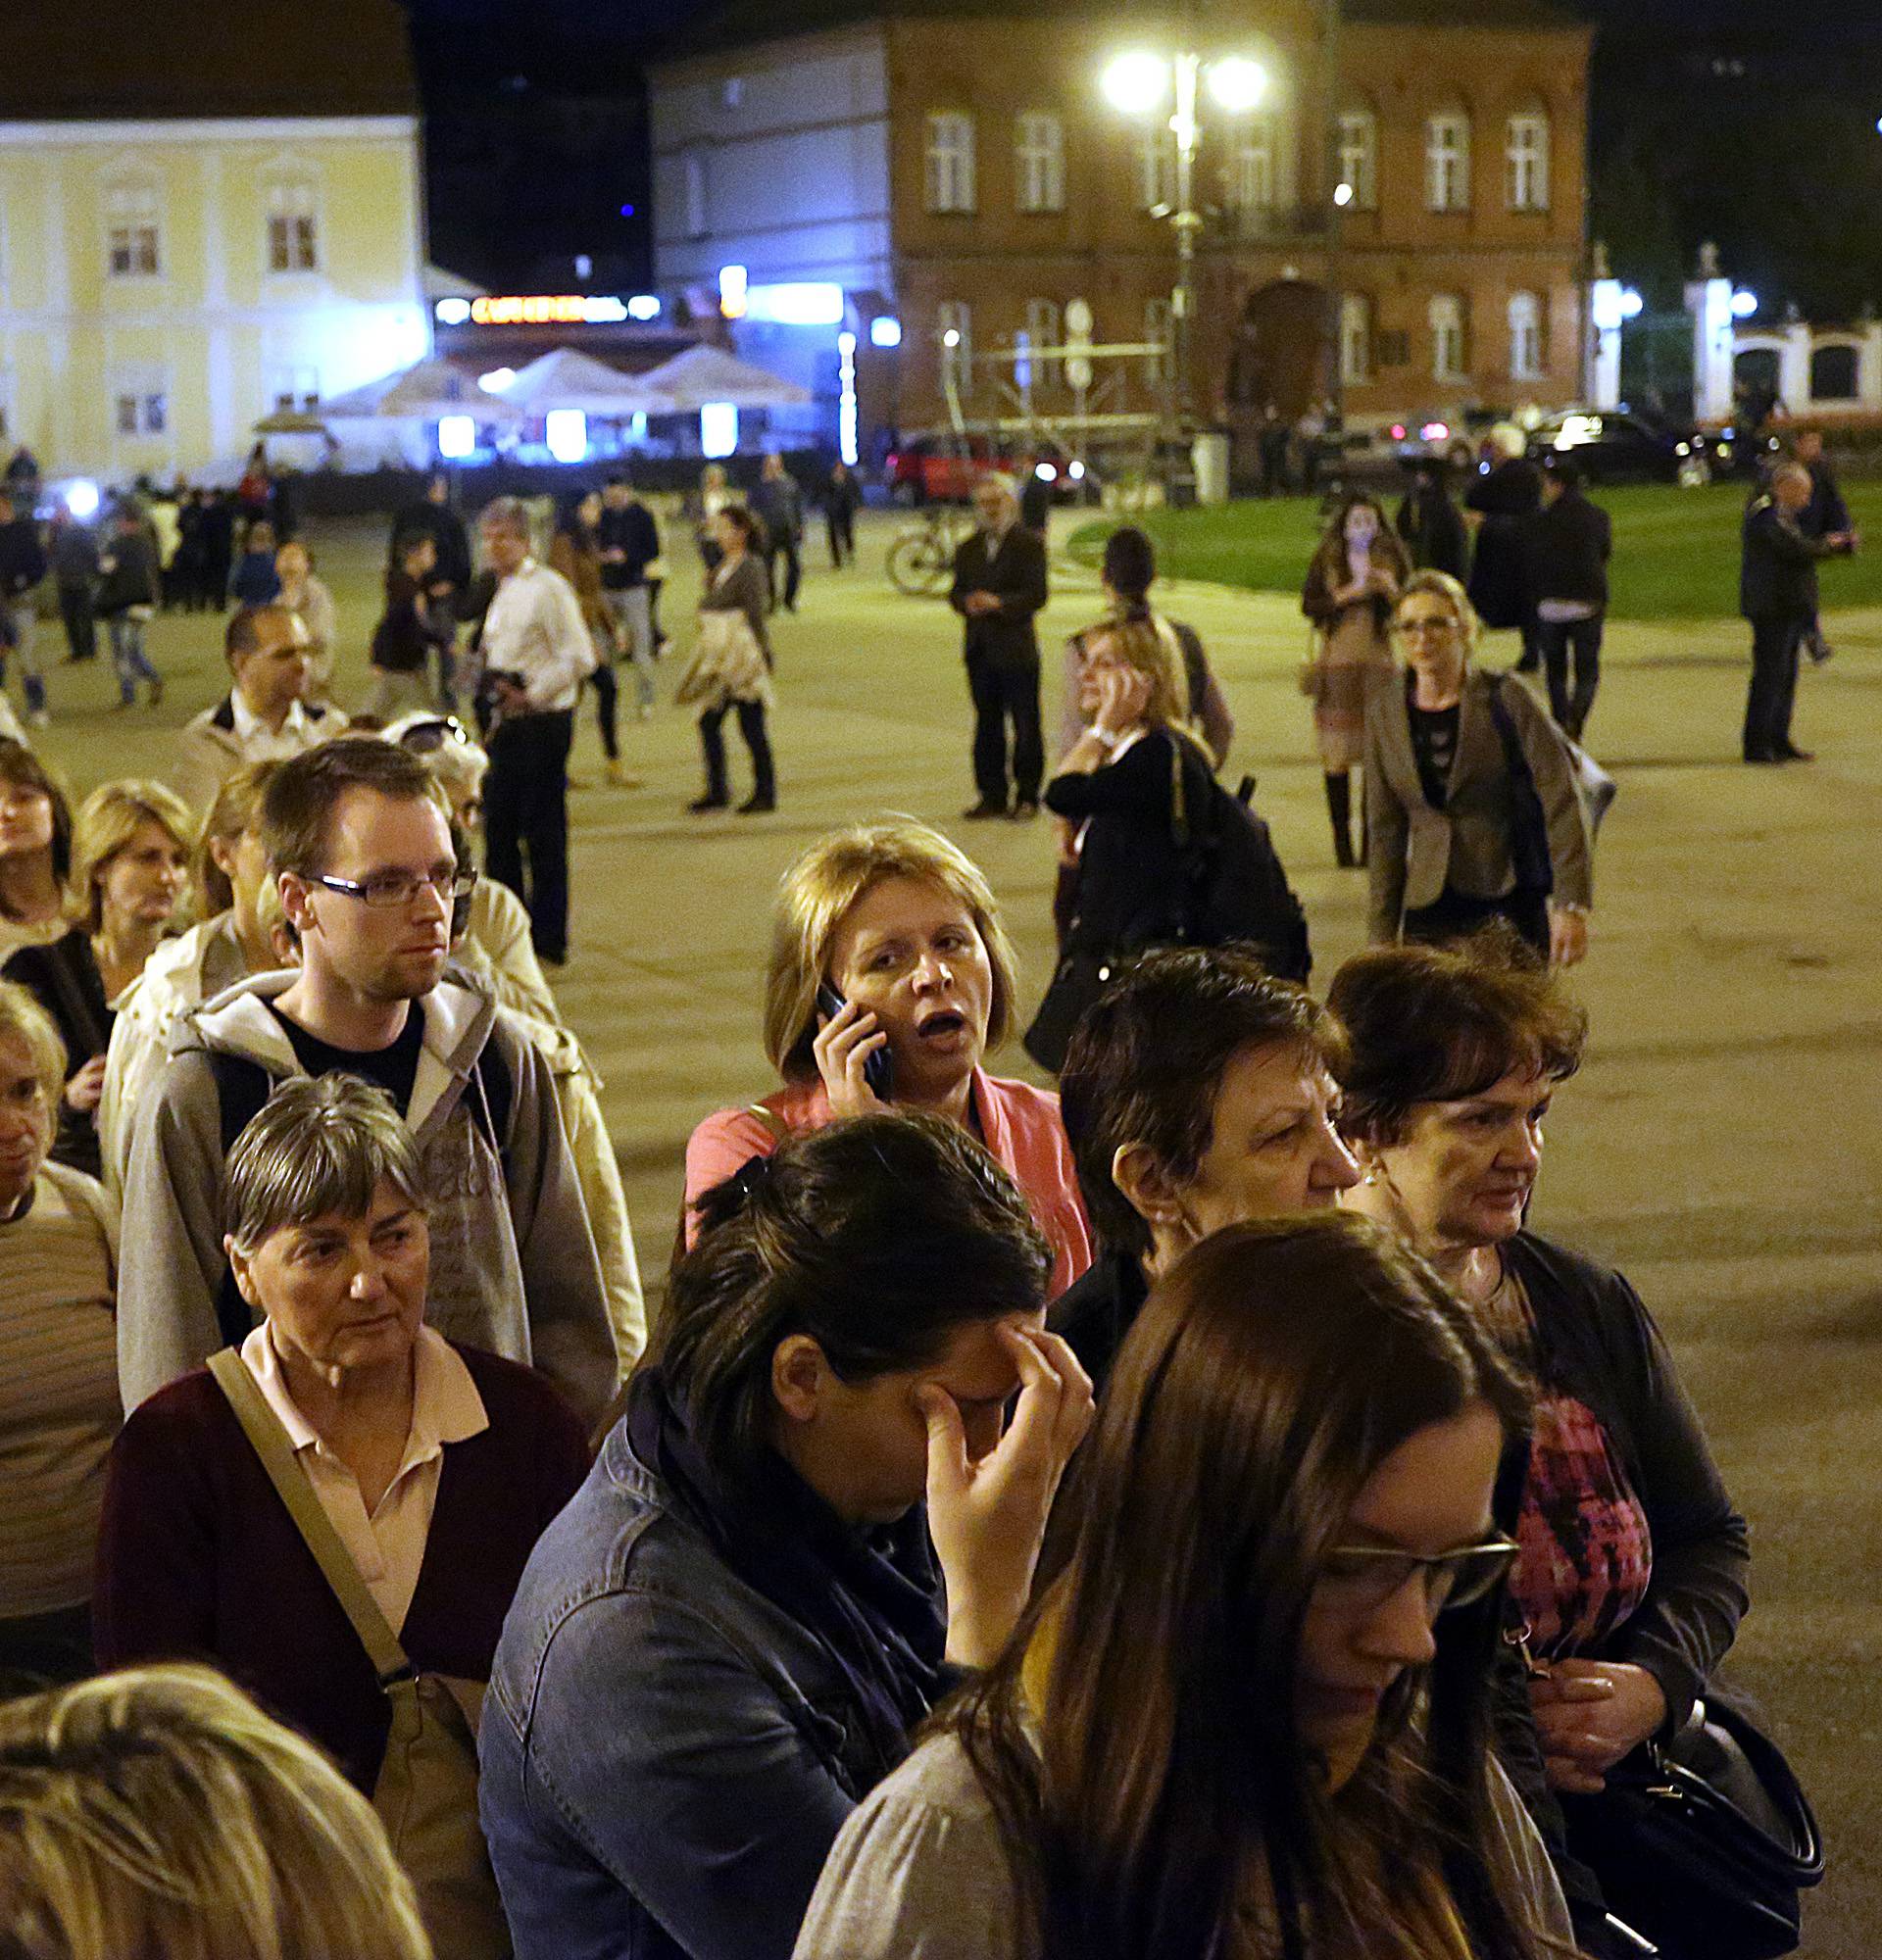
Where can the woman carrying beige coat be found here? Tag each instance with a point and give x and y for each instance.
(1351, 588)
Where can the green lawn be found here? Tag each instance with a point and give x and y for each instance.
(1675, 551)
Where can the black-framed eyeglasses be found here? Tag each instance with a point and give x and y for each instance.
(387, 891)
(1363, 1576)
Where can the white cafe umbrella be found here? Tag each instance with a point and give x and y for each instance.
(428, 392)
(564, 378)
(706, 374)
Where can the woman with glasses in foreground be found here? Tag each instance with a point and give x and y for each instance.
(1472, 808)
(1247, 1714)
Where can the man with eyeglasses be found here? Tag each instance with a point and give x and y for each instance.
(356, 835)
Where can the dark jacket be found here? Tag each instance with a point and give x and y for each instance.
(778, 505)
(1130, 866)
(198, 1558)
(1016, 575)
(255, 581)
(23, 558)
(1826, 511)
(445, 528)
(667, 1757)
(65, 980)
(129, 567)
(1507, 495)
(75, 554)
(409, 628)
(1431, 528)
(630, 530)
(1566, 545)
(1777, 570)
(1095, 1313)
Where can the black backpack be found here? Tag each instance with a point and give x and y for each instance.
(1236, 892)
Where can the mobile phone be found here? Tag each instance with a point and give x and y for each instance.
(879, 1069)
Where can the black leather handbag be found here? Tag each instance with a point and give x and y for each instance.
(1703, 1845)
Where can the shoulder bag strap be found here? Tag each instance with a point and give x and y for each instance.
(1516, 759)
(264, 1431)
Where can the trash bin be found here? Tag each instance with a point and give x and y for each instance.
(1210, 455)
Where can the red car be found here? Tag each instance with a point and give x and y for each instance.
(933, 470)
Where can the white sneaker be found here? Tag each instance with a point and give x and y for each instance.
(39, 717)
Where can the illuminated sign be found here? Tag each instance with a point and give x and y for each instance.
(541, 310)
(733, 289)
(718, 429)
(797, 303)
(565, 430)
(456, 438)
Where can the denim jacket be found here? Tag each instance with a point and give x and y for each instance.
(667, 1757)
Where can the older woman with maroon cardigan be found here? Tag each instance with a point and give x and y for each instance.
(438, 1465)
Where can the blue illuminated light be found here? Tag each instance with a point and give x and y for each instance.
(885, 330)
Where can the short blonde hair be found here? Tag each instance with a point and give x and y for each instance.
(160, 1811)
(107, 820)
(818, 890)
(1139, 645)
(24, 1021)
(1452, 592)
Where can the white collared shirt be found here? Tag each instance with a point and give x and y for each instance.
(534, 628)
(262, 744)
(387, 1545)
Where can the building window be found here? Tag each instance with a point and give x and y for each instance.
(142, 411)
(1040, 152)
(1156, 168)
(133, 234)
(1045, 328)
(1835, 373)
(1355, 339)
(696, 216)
(1446, 162)
(954, 328)
(1447, 337)
(1527, 154)
(949, 161)
(1359, 158)
(1159, 325)
(1393, 347)
(293, 227)
(1253, 184)
(296, 388)
(1528, 361)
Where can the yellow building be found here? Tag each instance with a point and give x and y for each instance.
(205, 214)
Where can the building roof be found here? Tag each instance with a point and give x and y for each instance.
(740, 22)
(164, 60)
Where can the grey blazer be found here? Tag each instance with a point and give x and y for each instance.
(1417, 851)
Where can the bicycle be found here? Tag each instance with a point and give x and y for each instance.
(921, 559)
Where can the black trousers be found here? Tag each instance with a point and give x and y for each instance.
(1006, 691)
(841, 524)
(711, 740)
(606, 696)
(1457, 915)
(786, 548)
(1775, 643)
(81, 622)
(525, 821)
(1561, 638)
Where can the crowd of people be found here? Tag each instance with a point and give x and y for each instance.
(1185, 1513)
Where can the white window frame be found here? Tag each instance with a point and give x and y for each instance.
(134, 230)
(698, 216)
(949, 161)
(140, 404)
(291, 227)
(1446, 161)
(1355, 339)
(1528, 353)
(1526, 151)
(1360, 157)
(1046, 327)
(1258, 157)
(1448, 357)
(1039, 158)
(294, 386)
(1155, 167)
(955, 317)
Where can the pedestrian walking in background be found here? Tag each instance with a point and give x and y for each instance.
(183, 591)
(536, 654)
(1352, 586)
(1271, 449)
(74, 570)
(23, 565)
(219, 547)
(1035, 498)
(629, 543)
(409, 631)
(715, 493)
(1451, 849)
(1429, 524)
(731, 669)
(127, 595)
(778, 505)
(311, 604)
(165, 530)
(1505, 497)
(576, 553)
(255, 581)
(451, 576)
(1827, 515)
(842, 498)
(1567, 544)
(999, 587)
(1777, 592)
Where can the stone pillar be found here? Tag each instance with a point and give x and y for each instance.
(1869, 374)
(1794, 368)
(1604, 344)
(1710, 301)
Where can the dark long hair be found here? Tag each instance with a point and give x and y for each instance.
(1331, 565)
(1270, 1373)
(20, 766)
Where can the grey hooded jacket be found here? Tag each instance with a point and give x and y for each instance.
(512, 1261)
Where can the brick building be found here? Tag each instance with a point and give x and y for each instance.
(954, 163)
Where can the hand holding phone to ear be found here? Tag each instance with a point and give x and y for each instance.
(852, 1053)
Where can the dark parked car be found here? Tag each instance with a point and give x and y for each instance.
(1617, 446)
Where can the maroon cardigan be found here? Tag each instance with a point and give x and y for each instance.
(198, 1560)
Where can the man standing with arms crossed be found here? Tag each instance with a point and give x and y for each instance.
(536, 654)
(998, 586)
